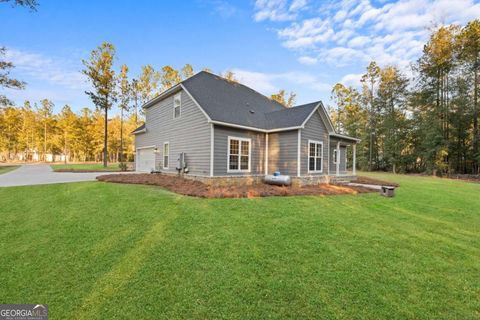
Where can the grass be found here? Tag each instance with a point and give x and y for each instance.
(5, 169)
(97, 251)
(86, 166)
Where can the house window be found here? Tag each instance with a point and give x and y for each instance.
(239, 150)
(177, 105)
(334, 156)
(315, 156)
(166, 154)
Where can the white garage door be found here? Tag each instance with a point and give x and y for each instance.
(145, 160)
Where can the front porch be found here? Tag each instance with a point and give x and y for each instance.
(342, 156)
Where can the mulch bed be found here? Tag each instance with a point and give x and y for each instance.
(375, 182)
(199, 189)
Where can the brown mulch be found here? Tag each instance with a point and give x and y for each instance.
(375, 182)
(199, 189)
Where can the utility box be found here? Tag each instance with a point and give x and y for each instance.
(387, 191)
(182, 163)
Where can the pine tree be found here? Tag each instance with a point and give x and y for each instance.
(281, 97)
(125, 91)
(100, 73)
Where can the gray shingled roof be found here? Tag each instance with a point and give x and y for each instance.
(234, 103)
(142, 127)
(289, 117)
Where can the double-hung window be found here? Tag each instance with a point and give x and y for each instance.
(177, 105)
(239, 152)
(315, 156)
(166, 154)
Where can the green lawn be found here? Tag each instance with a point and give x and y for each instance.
(86, 166)
(99, 251)
(5, 169)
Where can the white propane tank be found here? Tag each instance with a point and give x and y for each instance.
(278, 179)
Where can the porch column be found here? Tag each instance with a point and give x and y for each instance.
(354, 166)
(337, 158)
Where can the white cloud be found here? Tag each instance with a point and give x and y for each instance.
(297, 5)
(306, 34)
(340, 15)
(51, 69)
(55, 78)
(269, 83)
(259, 81)
(278, 10)
(342, 56)
(358, 41)
(59, 96)
(307, 60)
(352, 31)
(224, 9)
(351, 79)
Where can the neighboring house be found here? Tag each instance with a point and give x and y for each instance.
(226, 129)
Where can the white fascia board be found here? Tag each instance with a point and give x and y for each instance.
(161, 96)
(139, 131)
(196, 103)
(233, 125)
(341, 136)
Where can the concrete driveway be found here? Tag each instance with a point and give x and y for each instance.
(43, 174)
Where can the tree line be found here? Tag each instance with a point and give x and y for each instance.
(33, 132)
(427, 122)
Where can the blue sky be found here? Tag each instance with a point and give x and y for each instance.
(298, 45)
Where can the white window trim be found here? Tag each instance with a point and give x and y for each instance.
(163, 155)
(335, 155)
(240, 153)
(321, 157)
(179, 96)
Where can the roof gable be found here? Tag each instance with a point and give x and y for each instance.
(289, 117)
(235, 104)
(230, 102)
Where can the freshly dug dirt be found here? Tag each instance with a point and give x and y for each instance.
(375, 182)
(198, 189)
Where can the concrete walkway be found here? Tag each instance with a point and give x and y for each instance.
(43, 174)
(371, 186)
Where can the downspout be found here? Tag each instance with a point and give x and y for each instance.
(328, 157)
(212, 142)
(266, 153)
(299, 149)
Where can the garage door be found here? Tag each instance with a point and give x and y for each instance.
(145, 160)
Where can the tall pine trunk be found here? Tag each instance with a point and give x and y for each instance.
(136, 110)
(475, 121)
(65, 149)
(121, 135)
(45, 142)
(105, 139)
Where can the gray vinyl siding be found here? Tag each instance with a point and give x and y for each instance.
(343, 150)
(257, 161)
(282, 155)
(316, 130)
(190, 133)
